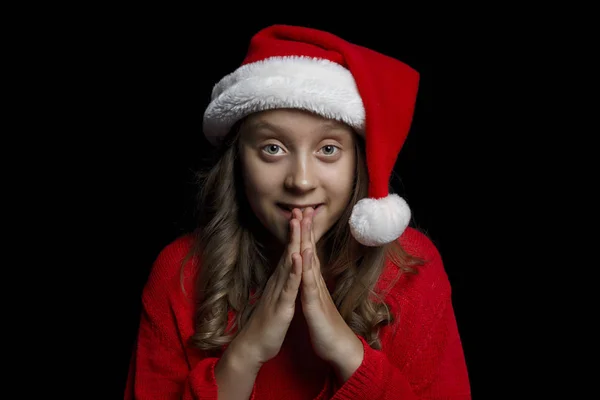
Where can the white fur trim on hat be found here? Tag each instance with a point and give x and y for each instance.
(375, 222)
(312, 84)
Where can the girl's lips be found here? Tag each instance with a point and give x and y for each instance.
(288, 213)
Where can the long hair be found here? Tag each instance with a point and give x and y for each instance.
(234, 269)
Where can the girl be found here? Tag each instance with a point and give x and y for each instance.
(303, 279)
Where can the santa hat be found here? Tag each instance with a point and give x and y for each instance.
(297, 67)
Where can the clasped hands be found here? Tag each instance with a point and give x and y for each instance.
(298, 274)
(331, 338)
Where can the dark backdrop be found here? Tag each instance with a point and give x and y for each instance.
(153, 78)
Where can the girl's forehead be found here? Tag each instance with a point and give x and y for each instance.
(294, 125)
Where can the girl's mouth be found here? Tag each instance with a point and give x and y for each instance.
(287, 208)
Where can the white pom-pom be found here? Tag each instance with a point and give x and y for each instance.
(375, 222)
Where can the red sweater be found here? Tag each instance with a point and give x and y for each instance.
(421, 356)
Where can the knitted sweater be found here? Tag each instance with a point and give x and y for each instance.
(421, 355)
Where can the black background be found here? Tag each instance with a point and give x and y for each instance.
(145, 79)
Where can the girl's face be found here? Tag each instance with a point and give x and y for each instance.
(292, 158)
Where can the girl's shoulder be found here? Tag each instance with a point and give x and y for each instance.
(430, 280)
(418, 244)
(173, 268)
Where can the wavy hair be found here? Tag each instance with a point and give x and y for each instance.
(234, 269)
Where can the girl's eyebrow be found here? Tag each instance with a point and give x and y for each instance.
(260, 128)
(265, 126)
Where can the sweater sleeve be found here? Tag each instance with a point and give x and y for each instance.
(422, 358)
(161, 367)
(437, 372)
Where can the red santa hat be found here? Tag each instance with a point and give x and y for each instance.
(297, 67)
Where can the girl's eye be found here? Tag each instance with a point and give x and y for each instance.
(271, 149)
(329, 150)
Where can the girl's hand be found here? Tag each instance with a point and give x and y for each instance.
(331, 337)
(262, 337)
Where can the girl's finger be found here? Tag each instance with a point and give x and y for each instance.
(294, 244)
(309, 283)
(312, 236)
(296, 213)
(306, 228)
(293, 248)
(317, 265)
(292, 284)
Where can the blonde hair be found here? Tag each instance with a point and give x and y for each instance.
(234, 268)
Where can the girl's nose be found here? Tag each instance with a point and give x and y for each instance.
(301, 177)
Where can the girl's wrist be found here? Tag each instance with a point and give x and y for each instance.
(242, 355)
(235, 374)
(350, 358)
